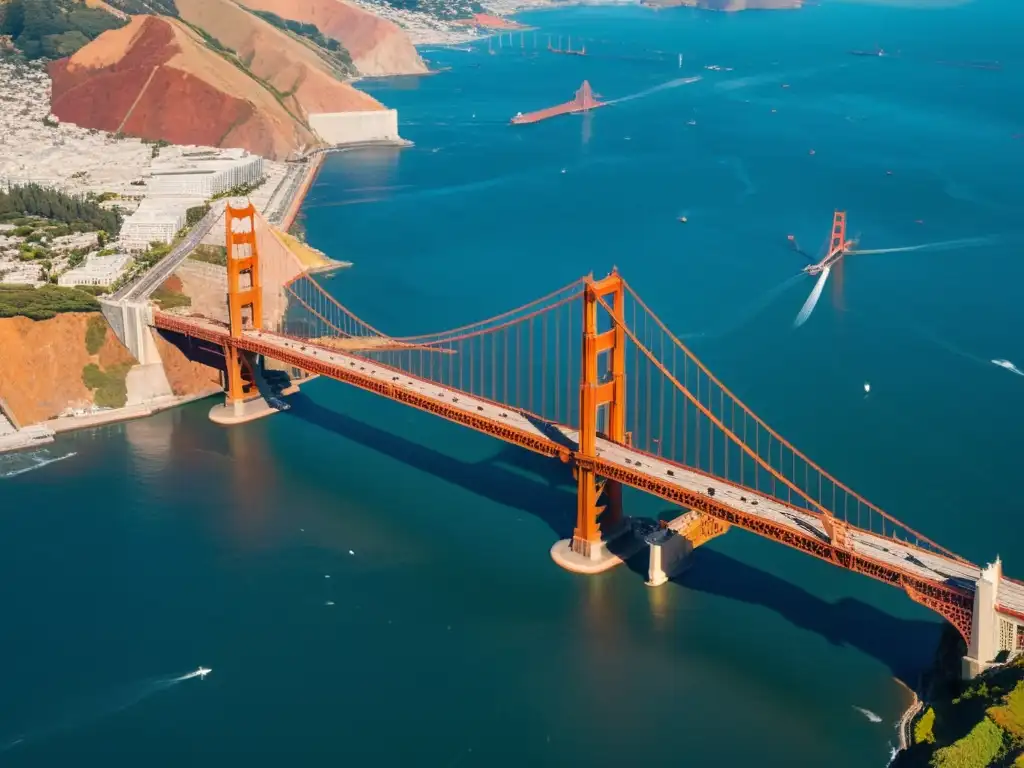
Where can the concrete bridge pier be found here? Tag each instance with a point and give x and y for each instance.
(672, 545)
(988, 635)
(669, 556)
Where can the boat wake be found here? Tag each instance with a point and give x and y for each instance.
(89, 711)
(29, 462)
(649, 91)
(812, 300)
(750, 312)
(1008, 366)
(945, 245)
(871, 716)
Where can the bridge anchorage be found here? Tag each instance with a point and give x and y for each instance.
(588, 374)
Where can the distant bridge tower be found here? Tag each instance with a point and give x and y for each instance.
(838, 241)
(585, 97)
(602, 409)
(245, 296)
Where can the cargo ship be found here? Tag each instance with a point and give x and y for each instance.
(876, 52)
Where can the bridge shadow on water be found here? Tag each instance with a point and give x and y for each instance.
(514, 477)
(894, 641)
(544, 488)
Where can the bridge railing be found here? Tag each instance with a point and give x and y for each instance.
(529, 359)
(679, 410)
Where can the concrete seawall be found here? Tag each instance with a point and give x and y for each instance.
(292, 211)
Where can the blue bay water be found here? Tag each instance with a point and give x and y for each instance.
(370, 584)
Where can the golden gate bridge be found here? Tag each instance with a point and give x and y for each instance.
(589, 375)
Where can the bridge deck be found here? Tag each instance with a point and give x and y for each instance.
(803, 525)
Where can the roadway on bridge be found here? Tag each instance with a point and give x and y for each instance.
(154, 278)
(903, 557)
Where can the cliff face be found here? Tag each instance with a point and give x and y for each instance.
(157, 79)
(377, 46)
(728, 5)
(42, 362)
(277, 58)
(187, 376)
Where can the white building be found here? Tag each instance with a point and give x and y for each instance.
(155, 220)
(97, 270)
(204, 174)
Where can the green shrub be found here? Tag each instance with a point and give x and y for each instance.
(93, 376)
(168, 299)
(44, 302)
(109, 387)
(975, 750)
(95, 334)
(1010, 714)
(211, 254)
(924, 728)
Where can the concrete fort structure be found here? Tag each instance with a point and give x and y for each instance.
(341, 128)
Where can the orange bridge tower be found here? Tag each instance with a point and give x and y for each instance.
(245, 299)
(599, 518)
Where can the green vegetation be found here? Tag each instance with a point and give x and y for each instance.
(977, 749)
(169, 299)
(439, 9)
(194, 215)
(242, 190)
(44, 302)
(157, 251)
(211, 254)
(156, 7)
(108, 386)
(924, 728)
(973, 724)
(95, 334)
(53, 28)
(80, 214)
(335, 51)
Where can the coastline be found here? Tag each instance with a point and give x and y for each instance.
(115, 415)
(904, 726)
(128, 413)
(299, 195)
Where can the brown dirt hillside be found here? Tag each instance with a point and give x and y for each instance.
(377, 46)
(186, 376)
(286, 63)
(42, 362)
(156, 79)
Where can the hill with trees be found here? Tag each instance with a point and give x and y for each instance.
(53, 28)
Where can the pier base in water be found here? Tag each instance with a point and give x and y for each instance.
(613, 551)
(228, 414)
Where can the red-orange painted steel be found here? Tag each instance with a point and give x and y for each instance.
(583, 101)
(952, 602)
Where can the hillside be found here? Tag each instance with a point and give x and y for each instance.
(156, 78)
(377, 46)
(54, 28)
(293, 66)
(973, 724)
(42, 371)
